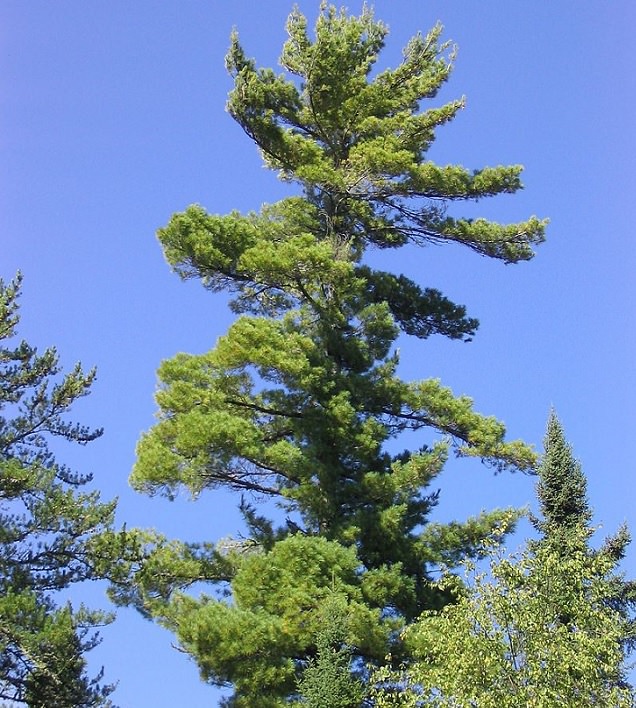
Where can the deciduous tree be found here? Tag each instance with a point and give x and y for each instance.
(546, 627)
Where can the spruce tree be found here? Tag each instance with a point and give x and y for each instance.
(562, 487)
(47, 525)
(300, 403)
(565, 523)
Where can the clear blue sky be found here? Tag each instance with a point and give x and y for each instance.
(112, 117)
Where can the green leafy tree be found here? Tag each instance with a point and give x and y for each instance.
(300, 403)
(504, 643)
(547, 627)
(46, 525)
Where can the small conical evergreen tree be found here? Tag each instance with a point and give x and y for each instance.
(562, 487)
(328, 681)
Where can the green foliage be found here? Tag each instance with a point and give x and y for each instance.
(547, 627)
(277, 611)
(300, 403)
(562, 485)
(504, 643)
(46, 526)
(327, 682)
(562, 493)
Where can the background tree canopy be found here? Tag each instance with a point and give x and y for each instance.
(46, 527)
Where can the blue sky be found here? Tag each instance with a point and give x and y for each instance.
(112, 118)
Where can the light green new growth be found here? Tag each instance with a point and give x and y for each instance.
(546, 627)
